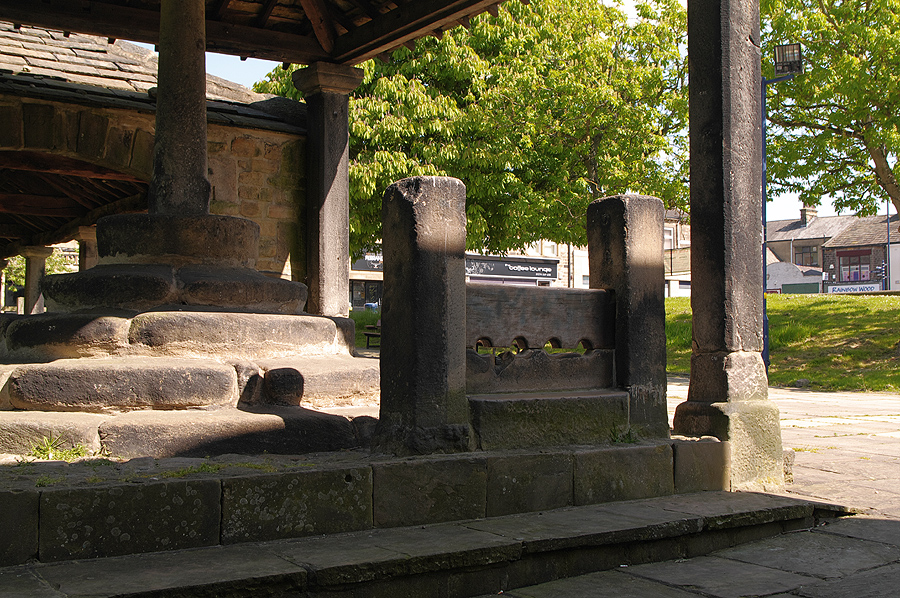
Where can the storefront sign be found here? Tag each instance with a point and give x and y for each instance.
(487, 266)
(371, 263)
(855, 288)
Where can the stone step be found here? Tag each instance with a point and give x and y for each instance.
(452, 560)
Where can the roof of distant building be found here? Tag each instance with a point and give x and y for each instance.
(818, 228)
(871, 230)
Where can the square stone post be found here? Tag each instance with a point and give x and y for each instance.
(625, 253)
(87, 247)
(728, 396)
(35, 266)
(423, 354)
(326, 89)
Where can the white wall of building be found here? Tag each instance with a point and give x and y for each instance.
(895, 268)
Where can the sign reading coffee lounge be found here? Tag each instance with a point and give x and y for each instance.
(486, 266)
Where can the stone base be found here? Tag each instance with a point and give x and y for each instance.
(752, 429)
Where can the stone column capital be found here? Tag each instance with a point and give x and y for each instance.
(86, 233)
(327, 77)
(38, 251)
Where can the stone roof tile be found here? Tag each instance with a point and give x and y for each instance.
(871, 230)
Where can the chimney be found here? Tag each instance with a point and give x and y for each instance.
(807, 215)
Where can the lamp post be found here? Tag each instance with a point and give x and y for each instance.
(887, 248)
(788, 62)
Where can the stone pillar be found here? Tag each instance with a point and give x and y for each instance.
(179, 185)
(326, 89)
(35, 265)
(423, 355)
(728, 396)
(87, 247)
(625, 235)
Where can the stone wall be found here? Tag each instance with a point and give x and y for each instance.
(255, 173)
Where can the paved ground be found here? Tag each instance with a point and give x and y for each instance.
(847, 449)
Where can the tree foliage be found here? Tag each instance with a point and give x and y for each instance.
(836, 130)
(57, 263)
(537, 110)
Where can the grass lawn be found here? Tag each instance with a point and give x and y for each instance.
(363, 318)
(837, 342)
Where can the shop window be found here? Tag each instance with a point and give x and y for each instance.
(668, 238)
(806, 256)
(855, 268)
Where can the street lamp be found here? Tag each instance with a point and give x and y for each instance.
(788, 62)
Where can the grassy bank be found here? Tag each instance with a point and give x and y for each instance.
(842, 342)
(363, 318)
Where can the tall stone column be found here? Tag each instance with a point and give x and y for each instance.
(35, 266)
(326, 88)
(728, 396)
(87, 247)
(423, 345)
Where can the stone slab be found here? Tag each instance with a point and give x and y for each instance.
(115, 520)
(730, 509)
(608, 474)
(880, 582)
(308, 502)
(19, 524)
(321, 381)
(252, 430)
(606, 584)
(236, 335)
(702, 465)
(818, 555)
(721, 578)
(876, 529)
(121, 384)
(20, 582)
(447, 489)
(20, 431)
(514, 420)
(63, 336)
(525, 483)
(218, 571)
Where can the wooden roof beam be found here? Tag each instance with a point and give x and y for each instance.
(40, 205)
(39, 162)
(322, 24)
(263, 17)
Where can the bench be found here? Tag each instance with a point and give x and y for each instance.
(372, 332)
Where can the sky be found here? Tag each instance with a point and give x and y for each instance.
(247, 72)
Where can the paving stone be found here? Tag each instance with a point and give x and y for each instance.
(19, 525)
(880, 582)
(447, 489)
(606, 584)
(524, 483)
(867, 528)
(721, 578)
(290, 505)
(607, 474)
(115, 520)
(210, 573)
(21, 582)
(819, 555)
(348, 558)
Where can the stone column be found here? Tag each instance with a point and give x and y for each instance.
(423, 355)
(179, 185)
(326, 89)
(35, 265)
(87, 247)
(728, 396)
(625, 235)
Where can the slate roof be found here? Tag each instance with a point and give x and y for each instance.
(820, 227)
(871, 230)
(88, 70)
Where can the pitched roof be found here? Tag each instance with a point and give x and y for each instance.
(871, 230)
(88, 70)
(820, 227)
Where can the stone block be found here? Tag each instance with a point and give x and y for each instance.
(142, 153)
(623, 473)
(118, 148)
(320, 381)
(92, 134)
(19, 522)
(237, 335)
(302, 503)
(251, 430)
(244, 147)
(536, 371)
(37, 120)
(503, 421)
(20, 431)
(429, 490)
(78, 523)
(241, 289)
(701, 465)
(126, 383)
(10, 127)
(115, 285)
(523, 483)
(57, 336)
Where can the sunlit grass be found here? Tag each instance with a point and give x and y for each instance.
(842, 342)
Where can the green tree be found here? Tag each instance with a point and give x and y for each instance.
(836, 130)
(538, 110)
(57, 263)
